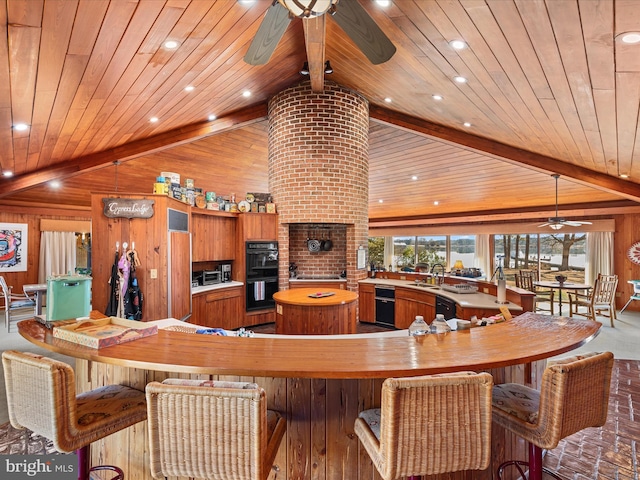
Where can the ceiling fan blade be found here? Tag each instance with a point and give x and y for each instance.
(365, 33)
(575, 223)
(273, 26)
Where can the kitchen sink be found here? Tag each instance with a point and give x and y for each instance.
(424, 285)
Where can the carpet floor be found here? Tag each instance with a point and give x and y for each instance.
(610, 452)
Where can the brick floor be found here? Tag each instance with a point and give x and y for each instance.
(612, 451)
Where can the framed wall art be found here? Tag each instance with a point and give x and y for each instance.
(13, 247)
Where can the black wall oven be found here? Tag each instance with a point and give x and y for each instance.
(261, 274)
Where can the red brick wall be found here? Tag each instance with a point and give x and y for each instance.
(319, 172)
(320, 263)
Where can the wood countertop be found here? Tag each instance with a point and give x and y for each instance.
(301, 296)
(525, 338)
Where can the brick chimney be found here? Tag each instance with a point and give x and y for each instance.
(319, 176)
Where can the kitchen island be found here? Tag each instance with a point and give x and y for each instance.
(319, 382)
(315, 311)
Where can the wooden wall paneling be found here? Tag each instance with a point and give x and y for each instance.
(627, 233)
(319, 429)
(342, 443)
(300, 458)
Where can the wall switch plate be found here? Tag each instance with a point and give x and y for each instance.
(153, 273)
(485, 290)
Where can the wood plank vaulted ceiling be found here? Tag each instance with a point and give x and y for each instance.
(550, 89)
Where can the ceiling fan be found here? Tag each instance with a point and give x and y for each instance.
(556, 223)
(348, 14)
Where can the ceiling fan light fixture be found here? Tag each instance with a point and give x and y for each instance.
(327, 67)
(305, 69)
(308, 8)
(555, 226)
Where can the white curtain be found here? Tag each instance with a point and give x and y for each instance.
(57, 254)
(388, 253)
(599, 253)
(483, 258)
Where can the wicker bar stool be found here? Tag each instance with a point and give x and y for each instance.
(574, 395)
(41, 397)
(211, 430)
(429, 425)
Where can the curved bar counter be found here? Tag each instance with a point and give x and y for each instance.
(321, 383)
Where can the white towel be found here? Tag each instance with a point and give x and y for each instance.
(258, 291)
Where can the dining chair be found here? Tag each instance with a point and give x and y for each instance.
(16, 306)
(429, 425)
(211, 430)
(573, 395)
(526, 279)
(41, 397)
(600, 299)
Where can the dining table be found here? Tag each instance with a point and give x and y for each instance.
(38, 290)
(560, 286)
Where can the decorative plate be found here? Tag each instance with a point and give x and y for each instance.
(634, 253)
(250, 198)
(244, 206)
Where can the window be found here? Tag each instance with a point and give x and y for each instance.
(551, 254)
(83, 253)
(408, 252)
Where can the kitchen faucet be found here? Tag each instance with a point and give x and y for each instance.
(433, 268)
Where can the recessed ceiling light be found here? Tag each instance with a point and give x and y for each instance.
(436, 202)
(171, 44)
(466, 124)
(630, 37)
(388, 100)
(153, 119)
(381, 201)
(383, 3)
(246, 94)
(437, 97)
(212, 117)
(54, 184)
(624, 175)
(458, 44)
(189, 88)
(7, 173)
(21, 127)
(414, 177)
(460, 79)
(246, 2)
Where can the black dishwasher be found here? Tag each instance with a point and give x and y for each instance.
(385, 306)
(446, 307)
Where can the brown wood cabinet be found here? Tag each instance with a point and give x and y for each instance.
(214, 235)
(258, 226)
(367, 302)
(410, 303)
(220, 308)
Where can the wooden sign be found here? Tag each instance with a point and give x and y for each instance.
(128, 208)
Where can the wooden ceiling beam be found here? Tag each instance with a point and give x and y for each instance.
(135, 149)
(508, 153)
(603, 209)
(315, 35)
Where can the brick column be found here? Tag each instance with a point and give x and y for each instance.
(319, 166)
